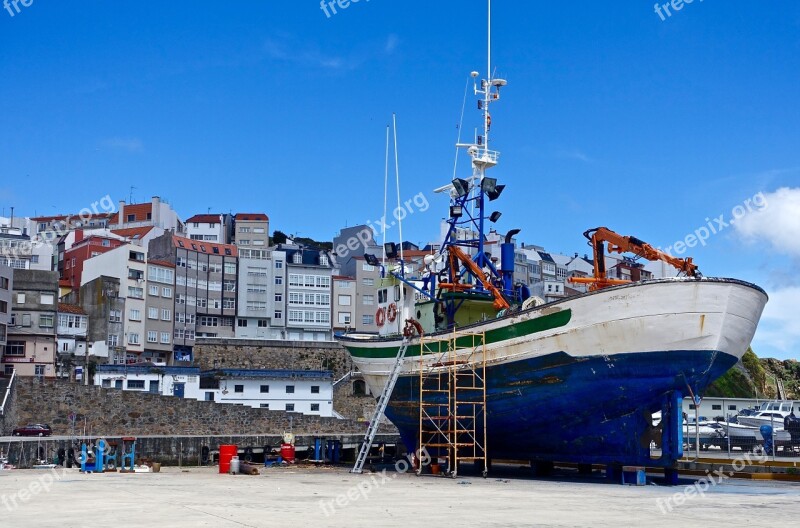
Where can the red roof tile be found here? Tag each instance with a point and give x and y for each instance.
(70, 309)
(204, 219)
(205, 247)
(162, 263)
(252, 217)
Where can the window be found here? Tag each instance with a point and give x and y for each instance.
(369, 300)
(135, 255)
(20, 298)
(315, 407)
(209, 396)
(344, 318)
(278, 281)
(297, 258)
(47, 298)
(731, 407)
(26, 320)
(135, 293)
(290, 407)
(227, 321)
(166, 315)
(136, 384)
(295, 316)
(323, 260)
(241, 323)
(265, 389)
(230, 268)
(115, 316)
(278, 297)
(692, 406)
(315, 389)
(238, 388)
(135, 315)
(112, 340)
(368, 282)
(278, 314)
(367, 319)
(264, 406)
(39, 371)
(8, 370)
(135, 274)
(290, 389)
(157, 274)
(152, 337)
(367, 267)
(243, 242)
(295, 280)
(15, 348)
(133, 339)
(344, 300)
(229, 304)
(4, 283)
(244, 229)
(153, 290)
(166, 292)
(262, 323)
(278, 264)
(382, 295)
(152, 313)
(165, 338)
(205, 320)
(46, 321)
(716, 407)
(229, 285)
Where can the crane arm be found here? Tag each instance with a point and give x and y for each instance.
(626, 244)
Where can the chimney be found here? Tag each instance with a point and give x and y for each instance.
(121, 214)
(156, 209)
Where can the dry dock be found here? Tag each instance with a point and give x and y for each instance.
(307, 496)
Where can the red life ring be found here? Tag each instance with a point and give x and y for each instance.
(391, 312)
(380, 317)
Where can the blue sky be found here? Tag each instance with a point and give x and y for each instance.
(611, 117)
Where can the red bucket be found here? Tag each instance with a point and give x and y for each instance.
(287, 453)
(226, 453)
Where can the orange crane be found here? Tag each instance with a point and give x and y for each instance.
(625, 244)
(456, 254)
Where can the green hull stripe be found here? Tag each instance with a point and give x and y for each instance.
(532, 326)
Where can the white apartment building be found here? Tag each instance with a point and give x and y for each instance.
(262, 294)
(128, 263)
(308, 293)
(209, 228)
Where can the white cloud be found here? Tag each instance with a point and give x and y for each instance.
(780, 326)
(573, 154)
(777, 223)
(119, 143)
(391, 43)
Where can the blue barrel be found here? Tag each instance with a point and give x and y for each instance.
(766, 432)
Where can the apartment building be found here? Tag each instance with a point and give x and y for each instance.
(343, 303)
(210, 228)
(368, 279)
(261, 312)
(308, 293)
(31, 343)
(6, 288)
(156, 213)
(104, 304)
(85, 247)
(159, 305)
(205, 289)
(128, 263)
(251, 230)
(71, 334)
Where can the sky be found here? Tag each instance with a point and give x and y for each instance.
(651, 124)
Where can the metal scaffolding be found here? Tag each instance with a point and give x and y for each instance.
(452, 399)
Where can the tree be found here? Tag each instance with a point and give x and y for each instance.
(279, 237)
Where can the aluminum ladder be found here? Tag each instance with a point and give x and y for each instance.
(383, 401)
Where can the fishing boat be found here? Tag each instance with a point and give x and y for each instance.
(770, 413)
(472, 367)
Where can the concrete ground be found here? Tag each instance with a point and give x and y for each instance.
(307, 496)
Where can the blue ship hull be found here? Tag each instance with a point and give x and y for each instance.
(581, 410)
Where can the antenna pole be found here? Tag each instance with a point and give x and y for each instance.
(385, 193)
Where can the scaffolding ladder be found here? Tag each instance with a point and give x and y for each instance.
(452, 399)
(383, 401)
